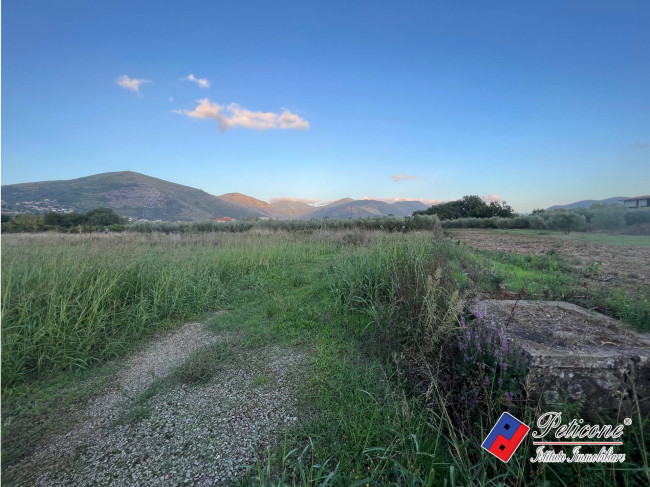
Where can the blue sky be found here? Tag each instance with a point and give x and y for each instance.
(539, 103)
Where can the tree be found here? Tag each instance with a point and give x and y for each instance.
(501, 209)
(468, 207)
(27, 223)
(608, 217)
(567, 221)
(103, 217)
(536, 222)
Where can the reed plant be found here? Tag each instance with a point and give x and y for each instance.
(73, 301)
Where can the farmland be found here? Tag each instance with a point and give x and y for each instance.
(357, 328)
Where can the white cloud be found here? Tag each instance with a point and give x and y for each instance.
(132, 84)
(281, 199)
(491, 197)
(202, 82)
(234, 116)
(398, 177)
(171, 99)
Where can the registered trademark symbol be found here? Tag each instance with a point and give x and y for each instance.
(627, 421)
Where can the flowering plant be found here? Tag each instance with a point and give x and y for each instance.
(486, 367)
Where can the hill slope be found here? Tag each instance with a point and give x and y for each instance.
(250, 203)
(292, 208)
(408, 207)
(129, 193)
(588, 203)
(348, 208)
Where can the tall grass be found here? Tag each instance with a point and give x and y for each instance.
(396, 282)
(71, 301)
(406, 291)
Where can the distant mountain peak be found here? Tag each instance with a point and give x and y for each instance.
(129, 193)
(138, 196)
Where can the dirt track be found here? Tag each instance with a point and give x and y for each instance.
(192, 435)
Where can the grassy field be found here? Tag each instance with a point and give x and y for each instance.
(379, 314)
(602, 238)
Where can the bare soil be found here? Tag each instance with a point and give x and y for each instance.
(618, 261)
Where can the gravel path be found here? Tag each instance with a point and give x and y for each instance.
(193, 435)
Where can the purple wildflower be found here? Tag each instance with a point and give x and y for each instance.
(509, 396)
(504, 340)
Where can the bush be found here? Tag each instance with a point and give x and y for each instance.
(24, 223)
(104, 217)
(588, 214)
(536, 222)
(610, 217)
(567, 221)
(637, 217)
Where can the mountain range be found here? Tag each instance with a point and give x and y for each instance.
(141, 197)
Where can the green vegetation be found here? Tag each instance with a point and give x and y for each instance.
(393, 396)
(599, 238)
(99, 219)
(549, 277)
(201, 366)
(567, 221)
(609, 218)
(385, 223)
(72, 302)
(468, 207)
(93, 221)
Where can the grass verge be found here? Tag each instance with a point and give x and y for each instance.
(599, 238)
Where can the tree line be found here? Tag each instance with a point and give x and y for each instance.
(94, 220)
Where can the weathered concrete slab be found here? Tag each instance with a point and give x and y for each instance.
(574, 353)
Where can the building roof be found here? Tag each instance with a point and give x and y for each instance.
(645, 197)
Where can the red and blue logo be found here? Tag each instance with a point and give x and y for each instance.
(505, 437)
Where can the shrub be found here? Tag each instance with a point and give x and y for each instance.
(567, 221)
(536, 222)
(587, 213)
(610, 217)
(637, 217)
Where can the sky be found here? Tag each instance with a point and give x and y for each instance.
(535, 103)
